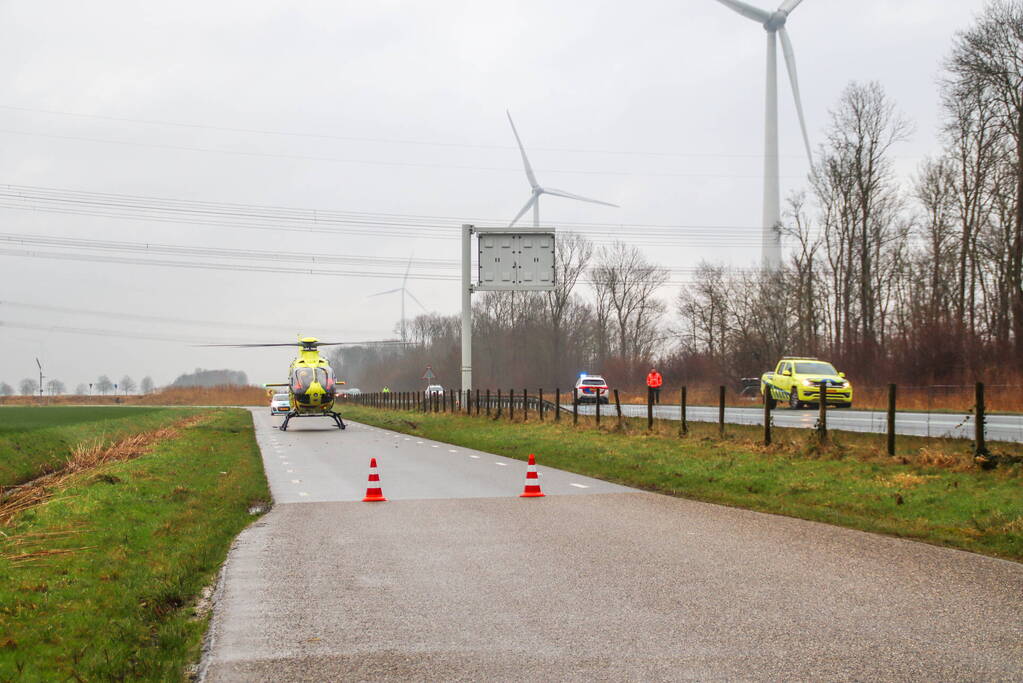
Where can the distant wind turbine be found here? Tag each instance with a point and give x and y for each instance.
(404, 290)
(774, 24)
(536, 190)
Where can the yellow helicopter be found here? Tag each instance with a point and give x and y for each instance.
(312, 385)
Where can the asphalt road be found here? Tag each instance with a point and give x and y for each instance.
(456, 578)
(998, 427)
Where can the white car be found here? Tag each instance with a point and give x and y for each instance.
(434, 389)
(592, 388)
(280, 404)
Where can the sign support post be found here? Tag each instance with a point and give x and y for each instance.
(467, 231)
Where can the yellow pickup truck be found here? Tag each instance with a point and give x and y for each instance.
(798, 381)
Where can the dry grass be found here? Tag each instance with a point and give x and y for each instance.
(174, 396)
(84, 457)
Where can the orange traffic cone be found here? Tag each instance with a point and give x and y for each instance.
(532, 489)
(373, 492)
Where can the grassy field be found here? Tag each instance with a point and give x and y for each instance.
(932, 491)
(100, 580)
(34, 441)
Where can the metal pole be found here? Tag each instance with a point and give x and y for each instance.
(466, 306)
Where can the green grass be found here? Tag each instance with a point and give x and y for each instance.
(145, 537)
(35, 440)
(848, 482)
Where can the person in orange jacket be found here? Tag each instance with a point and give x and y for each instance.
(653, 383)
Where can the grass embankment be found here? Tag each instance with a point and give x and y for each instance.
(34, 441)
(99, 581)
(932, 491)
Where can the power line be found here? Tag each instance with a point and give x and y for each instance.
(391, 141)
(373, 162)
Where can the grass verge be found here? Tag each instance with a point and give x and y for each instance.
(35, 441)
(100, 582)
(931, 492)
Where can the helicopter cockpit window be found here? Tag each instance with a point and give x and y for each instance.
(325, 377)
(302, 379)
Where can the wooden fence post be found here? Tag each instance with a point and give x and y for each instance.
(721, 410)
(822, 414)
(767, 422)
(596, 404)
(649, 408)
(683, 426)
(979, 444)
(557, 404)
(499, 406)
(525, 405)
(618, 407)
(539, 406)
(891, 419)
(511, 405)
(575, 405)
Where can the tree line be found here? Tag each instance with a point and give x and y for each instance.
(918, 281)
(103, 386)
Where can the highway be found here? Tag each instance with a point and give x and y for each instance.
(957, 425)
(457, 578)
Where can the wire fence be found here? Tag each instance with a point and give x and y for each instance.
(978, 412)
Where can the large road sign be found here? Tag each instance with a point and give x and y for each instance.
(516, 261)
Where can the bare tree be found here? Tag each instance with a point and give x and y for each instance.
(28, 387)
(127, 385)
(54, 387)
(987, 66)
(81, 390)
(147, 385)
(104, 385)
(6, 389)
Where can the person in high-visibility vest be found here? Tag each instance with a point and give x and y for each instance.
(653, 383)
(386, 390)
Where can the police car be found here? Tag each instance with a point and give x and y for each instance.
(592, 389)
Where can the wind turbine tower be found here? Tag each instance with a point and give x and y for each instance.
(536, 189)
(774, 24)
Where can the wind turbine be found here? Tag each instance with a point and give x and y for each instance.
(404, 290)
(774, 24)
(536, 190)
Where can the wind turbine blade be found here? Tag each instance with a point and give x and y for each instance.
(529, 204)
(790, 63)
(525, 160)
(748, 11)
(789, 5)
(568, 195)
(407, 269)
(413, 297)
(389, 291)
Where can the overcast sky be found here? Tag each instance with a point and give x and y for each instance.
(389, 107)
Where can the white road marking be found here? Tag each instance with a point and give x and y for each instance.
(296, 481)
(290, 471)
(302, 493)
(452, 450)
(419, 442)
(435, 446)
(285, 463)
(501, 464)
(476, 457)
(580, 486)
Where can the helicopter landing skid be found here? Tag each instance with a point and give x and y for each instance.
(337, 419)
